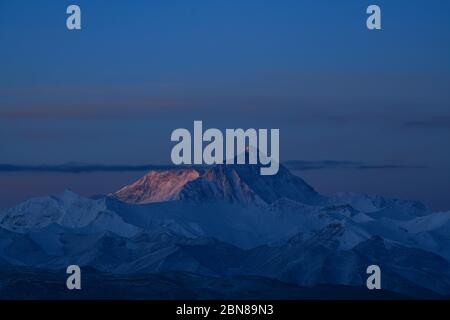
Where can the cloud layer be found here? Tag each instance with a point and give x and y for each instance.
(299, 165)
(296, 165)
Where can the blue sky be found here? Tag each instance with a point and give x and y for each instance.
(113, 92)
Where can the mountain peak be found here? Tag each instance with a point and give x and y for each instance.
(67, 194)
(157, 186)
(238, 183)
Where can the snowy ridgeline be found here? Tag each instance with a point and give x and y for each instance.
(230, 221)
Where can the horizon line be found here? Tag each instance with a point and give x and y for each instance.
(294, 165)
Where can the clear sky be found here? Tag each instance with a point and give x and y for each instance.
(113, 92)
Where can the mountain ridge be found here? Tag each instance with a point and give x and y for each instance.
(229, 221)
(239, 184)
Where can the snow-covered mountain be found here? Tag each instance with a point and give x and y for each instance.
(67, 210)
(229, 221)
(239, 184)
(157, 186)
